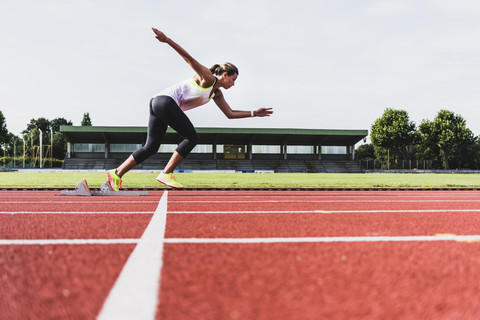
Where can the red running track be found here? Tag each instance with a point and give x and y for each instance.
(247, 278)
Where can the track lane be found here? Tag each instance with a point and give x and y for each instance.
(73, 226)
(321, 281)
(236, 281)
(58, 281)
(319, 225)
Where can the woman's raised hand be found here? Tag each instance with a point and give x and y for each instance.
(160, 35)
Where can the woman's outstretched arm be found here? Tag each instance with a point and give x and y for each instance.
(235, 114)
(206, 76)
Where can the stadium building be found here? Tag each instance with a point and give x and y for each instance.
(239, 149)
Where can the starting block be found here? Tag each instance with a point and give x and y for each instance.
(82, 189)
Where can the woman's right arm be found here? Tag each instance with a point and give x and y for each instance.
(206, 76)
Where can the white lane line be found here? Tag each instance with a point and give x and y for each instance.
(92, 201)
(440, 237)
(324, 201)
(74, 212)
(462, 238)
(328, 211)
(135, 293)
(65, 241)
(244, 212)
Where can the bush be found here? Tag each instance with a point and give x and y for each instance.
(17, 162)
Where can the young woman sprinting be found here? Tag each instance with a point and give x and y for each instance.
(167, 109)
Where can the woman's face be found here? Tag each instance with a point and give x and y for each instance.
(229, 81)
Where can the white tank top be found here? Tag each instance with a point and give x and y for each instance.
(188, 94)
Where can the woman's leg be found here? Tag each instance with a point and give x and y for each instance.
(155, 134)
(173, 162)
(156, 131)
(172, 115)
(126, 166)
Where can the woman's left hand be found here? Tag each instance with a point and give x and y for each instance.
(263, 112)
(159, 35)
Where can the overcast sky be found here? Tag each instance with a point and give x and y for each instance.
(320, 64)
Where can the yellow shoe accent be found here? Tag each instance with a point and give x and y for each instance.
(113, 180)
(169, 180)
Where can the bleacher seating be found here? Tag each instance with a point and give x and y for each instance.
(196, 164)
(330, 166)
(234, 164)
(341, 166)
(75, 163)
(275, 165)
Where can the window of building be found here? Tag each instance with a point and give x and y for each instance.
(266, 149)
(334, 150)
(199, 148)
(232, 151)
(89, 147)
(123, 147)
(300, 150)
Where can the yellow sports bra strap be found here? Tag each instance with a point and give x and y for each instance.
(211, 93)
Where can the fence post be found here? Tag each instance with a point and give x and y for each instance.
(41, 148)
(51, 148)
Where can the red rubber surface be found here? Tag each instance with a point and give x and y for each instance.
(73, 226)
(319, 225)
(58, 282)
(321, 281)
(359, 280)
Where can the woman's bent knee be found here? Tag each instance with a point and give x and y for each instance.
(187, 145)
(143, 153)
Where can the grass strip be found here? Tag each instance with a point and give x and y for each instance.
(138, 179)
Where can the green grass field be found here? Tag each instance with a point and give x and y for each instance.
(230, 180)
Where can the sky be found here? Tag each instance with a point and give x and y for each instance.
(319, 64)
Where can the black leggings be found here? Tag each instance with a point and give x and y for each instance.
(165, 112)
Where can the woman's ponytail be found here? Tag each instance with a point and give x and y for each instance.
(227, 67)
(215, 69)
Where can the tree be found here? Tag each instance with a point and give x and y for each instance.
(32, 135)
(445, 136)
(59, 146)
(57, 122)
(3, 129)
(393, 132)
(365, 152)
(467, 156)
(41, 124)
(86, 120)
(14, 145)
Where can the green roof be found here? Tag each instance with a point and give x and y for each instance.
(208, 135)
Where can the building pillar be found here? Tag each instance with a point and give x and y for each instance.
(250, 151)
(214, 151)
(350, 152)
(107, 150)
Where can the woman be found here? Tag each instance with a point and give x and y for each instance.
(167, 109)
